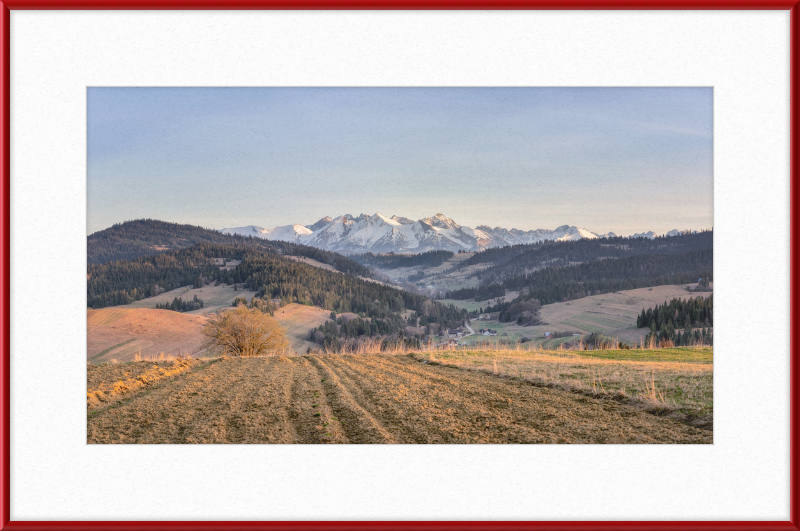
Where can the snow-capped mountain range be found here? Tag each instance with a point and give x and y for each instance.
(380, 234)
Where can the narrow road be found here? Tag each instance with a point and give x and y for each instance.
(471, 331)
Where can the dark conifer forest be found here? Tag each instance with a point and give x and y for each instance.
(272, 276)
(519, 259)
(680, 322)
(393, 261)
(180, 305)
(148, 237)
(559, 284)
(144, 237)
(694, 312)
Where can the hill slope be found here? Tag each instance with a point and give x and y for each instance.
(122, 333)
(145, 237)
(149, 237)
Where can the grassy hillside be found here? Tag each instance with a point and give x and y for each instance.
(124, 333)
(612, 314)
(214, 297)
(297, 320)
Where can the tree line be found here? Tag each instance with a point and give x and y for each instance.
(276, 278)
(560, 284)
(393, 261)
(180, 305)
(694, 312)
(127, 281)
(519, 259)
(346, 332)
(668, 336)
(481, 293)
(522, 312)
(145, 237)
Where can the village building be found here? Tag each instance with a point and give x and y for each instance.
(455, 332)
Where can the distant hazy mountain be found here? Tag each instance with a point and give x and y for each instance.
(381, 234)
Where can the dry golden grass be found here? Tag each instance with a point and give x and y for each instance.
(297, 320)
(108, 383)
(652, 379)
(214, 298)
(124, 333)
(366, 399)
(669, 381)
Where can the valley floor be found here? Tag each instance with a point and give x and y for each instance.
(354, 399)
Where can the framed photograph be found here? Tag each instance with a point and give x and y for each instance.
(399, 266)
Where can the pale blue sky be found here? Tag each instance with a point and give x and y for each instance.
(606, 159)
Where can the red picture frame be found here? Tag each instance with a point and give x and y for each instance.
(5, 11)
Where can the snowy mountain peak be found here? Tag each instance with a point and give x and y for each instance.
(377, 218)
(440, 221)
(250, 230)
(321, 223)
(381, 234)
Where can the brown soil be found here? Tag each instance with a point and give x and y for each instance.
(108, 383)
(369, 399)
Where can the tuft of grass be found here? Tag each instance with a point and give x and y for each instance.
(136, 377)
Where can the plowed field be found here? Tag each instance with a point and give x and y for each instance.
(367, 399)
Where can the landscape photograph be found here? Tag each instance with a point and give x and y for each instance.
(400, 265)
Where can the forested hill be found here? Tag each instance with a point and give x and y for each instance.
(271, 275)
(145, 237)
(559, 284)
(520, 259)
(149, 237)
(393, 261)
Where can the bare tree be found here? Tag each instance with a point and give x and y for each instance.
(245, 332)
